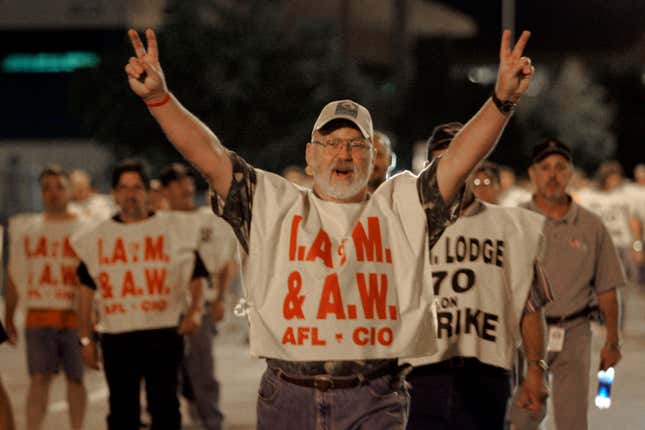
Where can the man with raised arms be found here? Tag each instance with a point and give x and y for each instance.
(337, 283)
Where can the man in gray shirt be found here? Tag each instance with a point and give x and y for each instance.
(581, 263)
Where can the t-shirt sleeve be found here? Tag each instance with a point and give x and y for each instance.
(238, 206)
(199, 271)
(540, 293)
(84, 276)
(439, 215)
(609, 272)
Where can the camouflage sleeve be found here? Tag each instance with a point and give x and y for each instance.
(238, 206)
(439, 214)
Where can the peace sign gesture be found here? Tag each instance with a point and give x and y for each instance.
(144, 72)
(515, 71)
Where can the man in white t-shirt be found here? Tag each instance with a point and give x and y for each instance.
(218, 249)
(336, 282)
(140, 267)
(85, 200)
(614, 202)
(42, 273)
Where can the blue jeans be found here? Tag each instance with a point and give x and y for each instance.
(380, 404)
(199, 383)
(458, 394)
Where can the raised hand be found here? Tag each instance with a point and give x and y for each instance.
(145, 76)
(515, 71)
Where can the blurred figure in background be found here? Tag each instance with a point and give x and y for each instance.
(85, 200)
(42, 268)
(218, 249)
(511, 193)
(615, 205)
(156, 200)
(486, 182)
(637, 196)
(6, 411)
(384, 160)
(639, 174)
(297, 175)
(580, 183)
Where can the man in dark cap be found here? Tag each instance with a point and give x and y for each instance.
(581, 262)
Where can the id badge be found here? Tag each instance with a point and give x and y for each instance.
(556, 339)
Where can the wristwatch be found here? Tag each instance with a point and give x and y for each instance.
(84, 341)
(540, 363)
(613, 345)
(504, 106)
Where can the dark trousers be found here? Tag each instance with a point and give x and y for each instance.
(149, 355)
(460, 393)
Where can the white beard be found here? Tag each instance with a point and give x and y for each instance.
(341, 192)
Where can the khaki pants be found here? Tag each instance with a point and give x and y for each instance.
(569, 382)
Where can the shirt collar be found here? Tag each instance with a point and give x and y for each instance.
(569, 218)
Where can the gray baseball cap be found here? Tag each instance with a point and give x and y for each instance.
(349, 110)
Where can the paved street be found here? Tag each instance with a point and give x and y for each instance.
(239, 375)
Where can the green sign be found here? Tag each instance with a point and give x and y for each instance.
(49, 62)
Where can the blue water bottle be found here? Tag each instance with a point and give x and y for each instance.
(605, 379)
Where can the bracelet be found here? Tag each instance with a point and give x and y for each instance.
(161, 102)
(637, 245)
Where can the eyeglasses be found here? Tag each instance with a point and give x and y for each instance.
(355, 146)
(482, 182)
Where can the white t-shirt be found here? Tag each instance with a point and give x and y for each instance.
(42, 262)
(483, 269)
(636, 196)
(217, 242)
(141, 270)
(330, 281)
(217, 245)
(96, 207)
(615, 208)
(514, 196)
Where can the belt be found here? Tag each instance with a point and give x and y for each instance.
(578, 314)
(328, 382)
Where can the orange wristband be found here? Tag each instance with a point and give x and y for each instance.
(161, 102)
